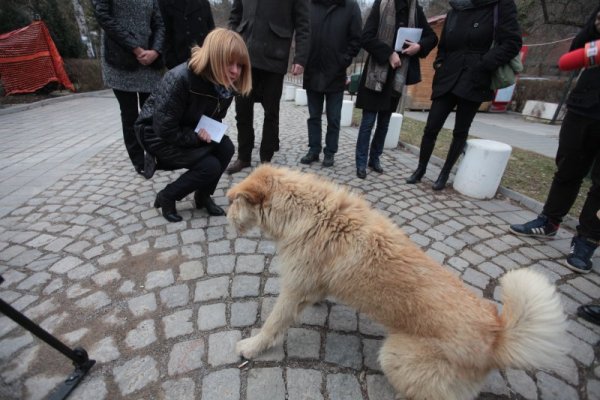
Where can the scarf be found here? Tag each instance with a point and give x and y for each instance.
(377, 73)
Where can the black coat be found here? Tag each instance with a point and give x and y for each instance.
(334, 42)
(585, 97)
(170, 115)
(465, 61)
(387, 99)
(268, 26)
(186, 24)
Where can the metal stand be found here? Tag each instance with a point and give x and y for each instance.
(78, 355)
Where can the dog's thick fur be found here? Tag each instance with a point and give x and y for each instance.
(443, 339)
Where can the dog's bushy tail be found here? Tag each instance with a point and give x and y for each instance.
(534, 334)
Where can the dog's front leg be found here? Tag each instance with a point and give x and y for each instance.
(286, 309)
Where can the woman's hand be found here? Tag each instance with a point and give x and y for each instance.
(412, 49)
(597, 22)
(147, 57)
(203, 135)
(394, 60)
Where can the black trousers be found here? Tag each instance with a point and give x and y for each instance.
(578, 152)
(266, 90)
(441, 107)
(130, 103)
(204, 166)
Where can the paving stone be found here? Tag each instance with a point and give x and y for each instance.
(212, 316)
(379, 388)
(142, 304)
(186, 356)
(175, 296)
(343, 350)
(494, 383)
(314, 315)
(243, 245)
(10, 346)
(593, 389)
(106, 277)
(75, 336)
(37, 279)
(24, 301)
(11, 277)
(177, 324)
(220, 264)
(245, 286)
(222, 247)
(221, 347)
(222, 385)
(39, 386)
(266, 383)
(243, 314)
(191, 270)
(212, 289)
(554, 389)
(94, 301)
(143, 335)
(65, 265)
(303, 343)
(19, 365)
(82, 272)
(156, 279)
(343, 387)
(370, 327)
(304, 384)
(371, 349)
(104, 350)
(343, 318)
(135, 374)
(183, 389)
(252, 264)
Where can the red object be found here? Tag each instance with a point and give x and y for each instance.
(586, 57)
(29, 60)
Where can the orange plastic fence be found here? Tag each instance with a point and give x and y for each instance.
(29, 60)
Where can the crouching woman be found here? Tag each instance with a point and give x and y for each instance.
(167, 123)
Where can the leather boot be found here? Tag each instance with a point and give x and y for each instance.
(204, 200)
(456, 148)
(237, 166)
(167, 207)
(417, 175)
(427, 145)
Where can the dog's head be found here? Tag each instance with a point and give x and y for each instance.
(248, 198)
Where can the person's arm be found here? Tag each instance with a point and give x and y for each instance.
(428, 39)
(235, 17)
(508, 37)
(380, 51)
(301, 21)
(589, 32)
(354, 29)
(169, 37)
(155, 48)
(112, 27)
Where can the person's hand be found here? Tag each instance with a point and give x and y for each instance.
(138, 51)
(203, 135)
(147, 57)
(597, 22)
(394, 60)
(297, 69)
(412, 49)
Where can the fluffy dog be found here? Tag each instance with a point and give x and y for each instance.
(442, 339)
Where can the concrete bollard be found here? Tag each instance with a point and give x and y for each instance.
(301, 99)
(289, 93)
(393, 134)
(347, 108)
(481, 169)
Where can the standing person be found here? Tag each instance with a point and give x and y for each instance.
(187, 22)
(379, 91)
(334, 42)
(167, 124)
(132, 42)
(463, 69)
(267, 26)
(578, 152)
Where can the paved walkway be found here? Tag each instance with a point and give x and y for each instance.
(161, 305)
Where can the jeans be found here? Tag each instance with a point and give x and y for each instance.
(333, 108)
(130, 103)
(266, 90)
(578, 151)
(364, 134)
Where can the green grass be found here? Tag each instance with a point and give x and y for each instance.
(527, 173)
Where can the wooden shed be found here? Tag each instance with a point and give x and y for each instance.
(419, 95)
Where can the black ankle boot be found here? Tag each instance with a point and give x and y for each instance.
(417, 175)
(441, 181)
(167, 207)
(204, 200)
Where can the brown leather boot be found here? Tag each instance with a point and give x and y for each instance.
(237, 166)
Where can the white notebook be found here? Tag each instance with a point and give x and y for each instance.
(215, 129)
(404, 34)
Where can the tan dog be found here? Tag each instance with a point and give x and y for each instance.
(443, 339)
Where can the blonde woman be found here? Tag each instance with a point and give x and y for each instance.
(166, 127)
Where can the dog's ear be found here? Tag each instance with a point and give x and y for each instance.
(255, 188)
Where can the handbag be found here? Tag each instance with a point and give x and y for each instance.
(506, 74)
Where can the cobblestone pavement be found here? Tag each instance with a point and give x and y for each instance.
(161, 305)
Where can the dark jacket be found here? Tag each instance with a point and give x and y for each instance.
(268, 28)
(186, 24)
(334, 42)
(145, 30)
(171, 113)
(585, 97)
(387, 100)
(465, 62)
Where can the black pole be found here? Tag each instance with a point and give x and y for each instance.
(563, 97)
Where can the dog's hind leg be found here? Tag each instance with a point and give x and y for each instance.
(287, 307)
(417, 368)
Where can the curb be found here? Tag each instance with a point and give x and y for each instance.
(10, 109)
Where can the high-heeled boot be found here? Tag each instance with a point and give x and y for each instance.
(456, 148)
(167, 207)
(427, 145)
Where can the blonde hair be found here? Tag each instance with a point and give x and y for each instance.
(221, 48)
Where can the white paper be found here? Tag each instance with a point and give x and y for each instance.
(404, 34)
(216, 130)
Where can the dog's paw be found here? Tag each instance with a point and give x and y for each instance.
(248, 348)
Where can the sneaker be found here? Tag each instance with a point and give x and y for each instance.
(328, 160)
(580, 257)
(309, 158)
(539, 227)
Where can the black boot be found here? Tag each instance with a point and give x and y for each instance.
(167, 207)
(427, 145)
(456, 148)
(204, 200)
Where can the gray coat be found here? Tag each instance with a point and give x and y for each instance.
(268, 28)
(131, 23)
